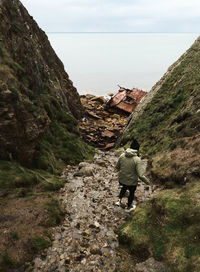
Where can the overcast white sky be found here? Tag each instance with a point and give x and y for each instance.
(116, 15)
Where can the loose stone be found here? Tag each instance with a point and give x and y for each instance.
(86, 240)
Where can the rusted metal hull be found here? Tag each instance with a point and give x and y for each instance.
(127, 100)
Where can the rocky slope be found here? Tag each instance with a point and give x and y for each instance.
(102, 124)
(37, 95)
(167, 125)
(87, 239)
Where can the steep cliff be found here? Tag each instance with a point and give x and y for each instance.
(38, 100)
(167, 125)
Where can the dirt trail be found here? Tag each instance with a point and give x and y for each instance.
(86, 241)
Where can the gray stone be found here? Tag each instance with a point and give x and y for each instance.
(102, 163)
(86, 171)
(82, 164)
(151, 265)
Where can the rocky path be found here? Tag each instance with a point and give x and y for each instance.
(86, 241)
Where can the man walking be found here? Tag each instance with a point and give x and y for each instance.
(130, 170)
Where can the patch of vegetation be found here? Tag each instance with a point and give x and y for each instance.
(38, 244)
(17, 68)
(61, 143)
(53, 184)
(7, 262)
(55, 213)
(167, 227)
(30, 94)
(15, 93)
(60, 146)
(13, 176)
(14, 235)
(2, 51)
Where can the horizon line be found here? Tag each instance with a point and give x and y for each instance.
(119, 32)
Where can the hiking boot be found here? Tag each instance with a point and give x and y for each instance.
(118, 203)
(131, 208)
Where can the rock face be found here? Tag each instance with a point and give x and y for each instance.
(35, 90)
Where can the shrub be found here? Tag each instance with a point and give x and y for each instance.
(38, 244)
(55, 213)
(2, 53)
(7, 262)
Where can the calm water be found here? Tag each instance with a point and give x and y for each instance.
(98, 62)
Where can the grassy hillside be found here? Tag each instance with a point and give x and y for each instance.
(167, 227)
(169, 127)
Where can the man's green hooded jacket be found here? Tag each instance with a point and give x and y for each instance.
(130, 168)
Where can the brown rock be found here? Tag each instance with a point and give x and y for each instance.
(108, 134)
(93, 115)
(95, 250)
(110, 145)
(99, 99)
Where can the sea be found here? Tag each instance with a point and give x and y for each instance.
(98, 63)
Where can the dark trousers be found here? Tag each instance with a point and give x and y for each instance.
(131, 193)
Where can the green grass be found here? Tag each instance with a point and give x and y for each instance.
(13, 177)
(53, 184)
(168, 227)
(56, 215)
(2, 54)
(59, 147)
(173, 110)
(7, 262)
(38, 244)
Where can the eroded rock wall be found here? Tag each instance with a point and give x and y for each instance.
(34, 88)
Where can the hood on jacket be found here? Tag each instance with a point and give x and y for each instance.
(130, 152)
